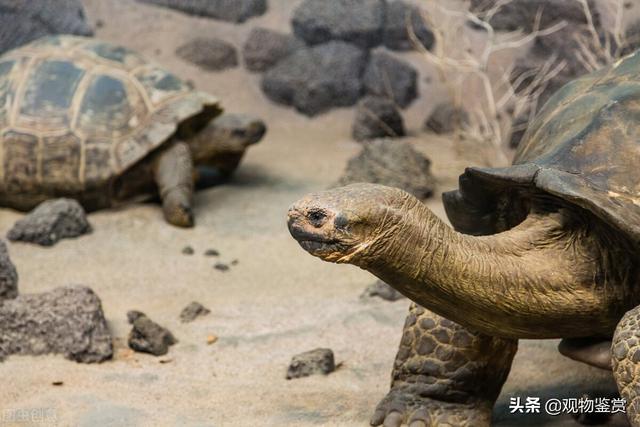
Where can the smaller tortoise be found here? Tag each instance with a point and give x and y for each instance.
(97, 122)
(546, 248)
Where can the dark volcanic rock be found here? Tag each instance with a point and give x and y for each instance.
(209, 53)
(401, 17)
(66, 320)
(521, 14)
(51, 221)
(318, 361)
(315, 79)
(226, 10)
(446, 118)
(394, 163)
(147, 336)
(264, 48)
(357, 21)
(382, 290)
(377, 117)
(8, 275)
(391, 77)
(21, 23)
(193, 311)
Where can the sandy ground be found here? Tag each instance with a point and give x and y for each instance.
(278, 301)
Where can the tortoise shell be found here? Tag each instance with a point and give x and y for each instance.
(76, 112)
(583, 147)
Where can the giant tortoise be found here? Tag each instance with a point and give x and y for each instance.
(546, 248)
(97, 122)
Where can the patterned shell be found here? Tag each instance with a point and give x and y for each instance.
(583, 147)
(76, 112)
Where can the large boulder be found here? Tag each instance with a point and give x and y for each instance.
(317, 78)
(401, 17)
(211, 54)
(390, 77)
(357, 21)
(67, 320)
(51, 221)
(21, 23)
(8, 275)
(264, 48)
(227, 10)
(377, 117)
(394, 163)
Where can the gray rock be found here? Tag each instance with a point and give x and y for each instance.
(188, 250)
(400, 17)
(377, 117)
(521, 14)
(220, 266)
(264, 48)
(67, 320)
(50, 222)
(313, 80)
(209, 53)
(391, 77)
(227, 10)
(446, 118)
(192, 311)
(211, 252)
(21, 23)
(147, 336)
(381, 290)
(318, 361)
(357, 21)
(8, 275)
(394, 163)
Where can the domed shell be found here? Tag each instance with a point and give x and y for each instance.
(583, 147)
(76, 112)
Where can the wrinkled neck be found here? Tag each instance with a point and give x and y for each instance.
(537, 280)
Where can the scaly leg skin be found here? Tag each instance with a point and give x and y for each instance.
(626, 362)
(173, 170)
(444, 375)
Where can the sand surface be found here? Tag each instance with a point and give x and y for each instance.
(276, 302)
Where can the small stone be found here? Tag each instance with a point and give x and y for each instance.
(235, 262)
(446, 118)
(318, 361)
(390, 77)
(146, 336)
(394, 163)
(264, 48)
(381, 290)
(50, 222)
(209, 53)
(211, 339)
(57, 383)
(8, 275)
(211, 252)
(377, 117)
(67, 320)
(188, 250)
(132, 315)
(192, 311)
(221, 267)
(99, 23)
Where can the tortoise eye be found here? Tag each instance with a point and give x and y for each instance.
(317, 218)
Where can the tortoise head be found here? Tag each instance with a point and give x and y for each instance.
(221, 144)
(346, 223)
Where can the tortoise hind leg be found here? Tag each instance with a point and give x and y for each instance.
(625, 350)
(444, 375)
(174, 172)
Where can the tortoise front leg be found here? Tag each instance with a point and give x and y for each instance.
(625, 349)
(173, 172)
(444, 374)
